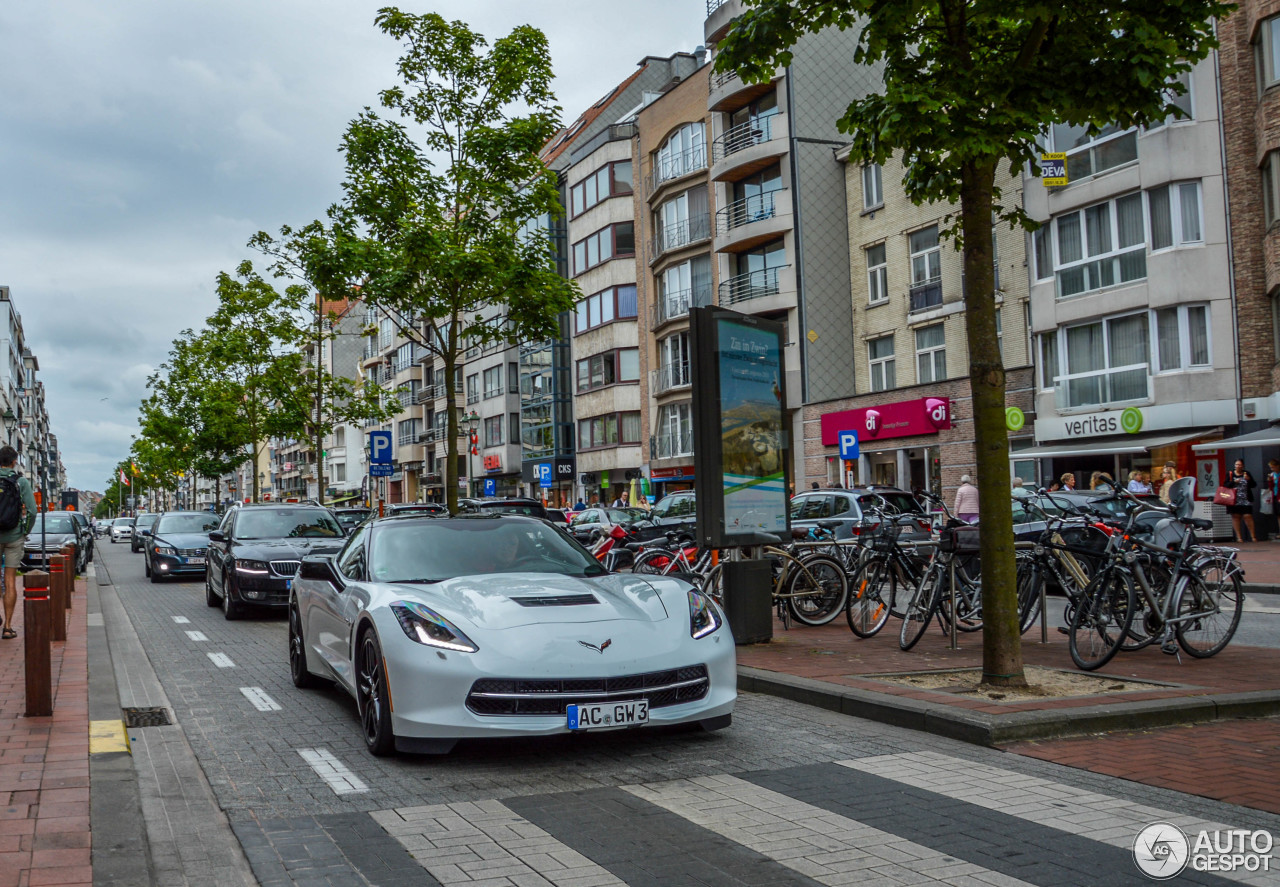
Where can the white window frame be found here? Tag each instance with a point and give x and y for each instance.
(872, 186)
(1183, 313)
(1178, 236)
(881, 370)
(493, 374)
(930, 259)
(1092, 145)
(1270, 173)
(930, 356)
(1065, 376)
(1114, 254)
(877, 275)
(1267, 53)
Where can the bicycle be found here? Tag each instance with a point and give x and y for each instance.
(808, 586)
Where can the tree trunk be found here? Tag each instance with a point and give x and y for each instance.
(1001, 640)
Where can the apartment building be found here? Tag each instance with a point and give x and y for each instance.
(1131, 296)
(396, 362)
(26, 425)
(913, 408)
(491, 419)
(780, 238)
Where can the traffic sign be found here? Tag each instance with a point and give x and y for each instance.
(491, 486)
(380, 451)
(543, 472)
(848, 445)
(379, 469)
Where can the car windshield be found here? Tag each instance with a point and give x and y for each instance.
(431, 551)
(123, 522)
(352, 518)
(529, 509)
(293, 523)
(53, 523)
(623, 515)
(187, 523)
(146, 520)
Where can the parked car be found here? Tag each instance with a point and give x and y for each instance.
(102, 527)
(514, 505)
(415, 508)
(122, 529)
(588, 525)
(487, 625)
(676, 512)
(559, 517)
(859, 510)
(144, 521)
(350, 518)
(178, 543)
(86, 533)
(55, 529)
(255, 552)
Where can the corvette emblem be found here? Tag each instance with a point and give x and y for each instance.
(599, 649)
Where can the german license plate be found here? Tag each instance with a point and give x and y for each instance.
(193, 560)
(604, 715)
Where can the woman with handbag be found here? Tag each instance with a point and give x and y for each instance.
(1242, 484)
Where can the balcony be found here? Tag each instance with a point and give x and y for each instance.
(925, 296)
(671, 446)
(720, 13)
(427, 436)
(424, 394)
(726, 91)
(758, 284)
(674, 166)
(675, 305)
(681, 234)
(752, 221)
(749, 147)
(668, 377)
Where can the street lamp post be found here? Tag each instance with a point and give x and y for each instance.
(470, 423)
(10, 423)
(262, 482)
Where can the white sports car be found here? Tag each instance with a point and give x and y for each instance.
(498, 625)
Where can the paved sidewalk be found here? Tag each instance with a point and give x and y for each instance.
(44, 763)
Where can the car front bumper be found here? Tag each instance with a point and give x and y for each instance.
(174, 565)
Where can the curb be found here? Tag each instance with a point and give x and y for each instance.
(1258, 588)
(980, 728)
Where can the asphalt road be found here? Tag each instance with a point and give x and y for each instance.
(788, 795)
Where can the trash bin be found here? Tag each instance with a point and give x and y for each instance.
(748, 600)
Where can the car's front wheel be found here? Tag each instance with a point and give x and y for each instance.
(302, 678)
(230, 609)
(372, 696)
(209, 597)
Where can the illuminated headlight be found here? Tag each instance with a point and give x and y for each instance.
(260, 568)
(430, 628)
(704, 618)
(164, 549)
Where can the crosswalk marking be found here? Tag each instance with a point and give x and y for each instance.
(182, 620)
(261, 701)
(197, 636)
(335, 773)
(829, 848)
(473, 841)
(222, 660)
(1089, 814)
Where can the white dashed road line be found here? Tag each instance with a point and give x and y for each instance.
(333, 772)
(182, 620)
(197, 636)
(261, 701)
(222, 660)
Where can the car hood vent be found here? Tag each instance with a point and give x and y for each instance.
(557, 600)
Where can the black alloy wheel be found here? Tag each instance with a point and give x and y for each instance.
(230, 609)
(302, 679)
(372, 697)
(209, 597)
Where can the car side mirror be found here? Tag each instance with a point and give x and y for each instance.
(319, 567)
(144, 532)
(217, 536)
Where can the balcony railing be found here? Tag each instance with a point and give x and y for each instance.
(424, 394)
(427, 436)
(370, 350)
(757, 284)
(756, 208)
(671, 305)
(1126, 385)
(681, 234)
(669, 376)
(713, 5)
(926, 295)
(745, 135)
(720, 78)
(673, 166)
(671, 446)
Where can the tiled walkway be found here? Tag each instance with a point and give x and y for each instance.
(44, 764)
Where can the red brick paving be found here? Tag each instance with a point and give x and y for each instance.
(44, 764)
(1233, 761)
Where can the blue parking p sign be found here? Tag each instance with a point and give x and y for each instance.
(380, 452)
(543, 470)
(490, 486)
(848, 445)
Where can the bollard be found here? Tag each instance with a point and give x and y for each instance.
(57, 596)
(36, 608)
(69, 551)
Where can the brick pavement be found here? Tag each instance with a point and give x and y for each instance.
(44, 763)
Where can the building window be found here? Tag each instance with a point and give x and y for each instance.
(610, 180)
(1101, 246)
(931, 354)
(610, 430)
(1271, 188)
(682, 220)
(1267, 53)
(1106, 362)
(493, 382)
(877, 274)
(880, 356)
(513, 378)
(1175, 215)
(473, 388)
(513, 427)
(681, 287)
(493, 431)
(872, 187)
(682, 153)
(614, 241)
(674, 432)
(673, 362)
(407, 432)
(1090, 154)
(1182, 337)
(609, 368)
(926, 269)
(606, 306)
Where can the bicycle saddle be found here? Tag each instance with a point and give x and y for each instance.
(799, 532)
(1199, 523)
(832, 525)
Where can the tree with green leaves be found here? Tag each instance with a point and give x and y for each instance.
(448, 234)
(968, 85)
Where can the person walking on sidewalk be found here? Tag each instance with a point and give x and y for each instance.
(17, 515)
(967, 501)
(1242, 511)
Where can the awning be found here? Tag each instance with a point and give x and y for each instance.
(1138, 443)
(1267, 437)
(340, 499)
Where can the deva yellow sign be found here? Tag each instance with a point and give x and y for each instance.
(1053, 169)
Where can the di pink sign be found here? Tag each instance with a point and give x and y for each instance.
(906, 418)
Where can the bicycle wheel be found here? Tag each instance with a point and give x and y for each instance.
(1029, 580)
(713, 584)
(920, 609)
(817, 589)
(658, 562)
(1216, 599)
(1101, 619)
(867, 611)
(968, 604)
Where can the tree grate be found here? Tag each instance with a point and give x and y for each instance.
(146, 717)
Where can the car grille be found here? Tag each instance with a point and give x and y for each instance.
(285, 568)
(518, 696)
(191, 552)
(559, 600)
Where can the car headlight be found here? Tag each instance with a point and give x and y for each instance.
(246, 566)
(164, 549)
(704, 618)
(430, 628)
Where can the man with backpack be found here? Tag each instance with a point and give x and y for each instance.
(17, 515)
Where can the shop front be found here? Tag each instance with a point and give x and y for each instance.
(551, 480)
(497, 480)
(607, 486)
(900, 444)
(669, 480)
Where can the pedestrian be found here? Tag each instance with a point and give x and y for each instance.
(595, 500)
(1271, 496)
(1068, 482)
(1168, 474)
(1136, 484)
(579, 505)
(621, 501)
(1099, 480)
(17, 515)
(1242, 511)
(1051, 485)
(814, 485)
(966, 507)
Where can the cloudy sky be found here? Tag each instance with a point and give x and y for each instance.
(143, 143)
